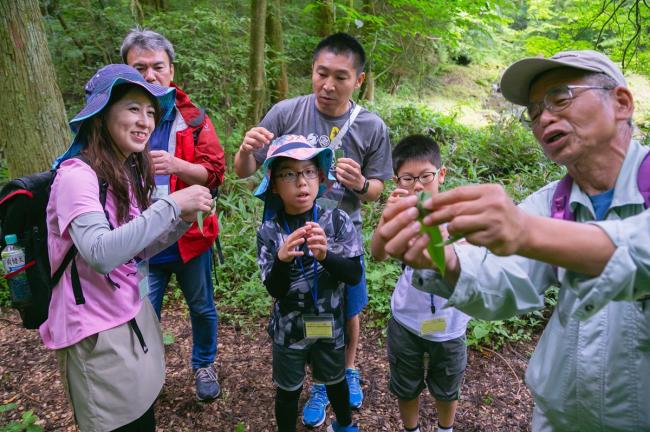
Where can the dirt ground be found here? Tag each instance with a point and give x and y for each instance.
(493, 398)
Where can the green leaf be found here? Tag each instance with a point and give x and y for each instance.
(240, 427)
(168, 339)
(202, 215)
(449, 241)
(199, 220)
(436, 246)
(480, 332)
(8, 407)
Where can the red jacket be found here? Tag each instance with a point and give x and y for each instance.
(208, 153)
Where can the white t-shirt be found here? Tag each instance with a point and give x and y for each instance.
(412, 309)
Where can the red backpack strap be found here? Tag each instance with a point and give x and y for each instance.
(560, 208)
(643, 180)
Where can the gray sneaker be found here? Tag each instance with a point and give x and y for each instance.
(207, 385)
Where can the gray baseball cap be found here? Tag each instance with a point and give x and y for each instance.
(516, 80)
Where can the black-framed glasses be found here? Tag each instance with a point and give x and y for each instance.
(555, 100)
(408, 180)
(292, 176)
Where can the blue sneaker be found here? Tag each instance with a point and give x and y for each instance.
(354, 384)
(335, 427)
(313, 414)
(207, 385)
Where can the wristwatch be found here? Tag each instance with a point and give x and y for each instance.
(364, 189)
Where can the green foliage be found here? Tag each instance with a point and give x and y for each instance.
(27, 422)
(615, 28)
(8, 407)
(494, 334)
(211, 68)
(5, 297)
(408, 39)
(239, 284)
(380, 278)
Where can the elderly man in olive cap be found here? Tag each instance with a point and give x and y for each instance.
(587, 233)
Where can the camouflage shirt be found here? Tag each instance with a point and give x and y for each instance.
(286, 326)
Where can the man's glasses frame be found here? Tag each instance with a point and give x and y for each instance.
(408, 180)
(556, 99)
(310, 173)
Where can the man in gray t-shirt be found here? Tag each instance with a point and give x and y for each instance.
(337, 70)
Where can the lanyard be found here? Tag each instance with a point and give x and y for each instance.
(433, 307)
(314, 287)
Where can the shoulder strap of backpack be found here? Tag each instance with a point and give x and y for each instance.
(643, 180)
(560, 208)
(72, 252)
(196, 123)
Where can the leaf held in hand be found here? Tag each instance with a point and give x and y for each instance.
(450, 240)
(199, 221)
(200, 216)
(435, 247)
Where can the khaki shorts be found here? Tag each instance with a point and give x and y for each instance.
(109, 379)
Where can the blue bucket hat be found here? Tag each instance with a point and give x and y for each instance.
(98, 93)
(294, 147)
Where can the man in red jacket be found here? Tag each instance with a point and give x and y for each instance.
(185, 150)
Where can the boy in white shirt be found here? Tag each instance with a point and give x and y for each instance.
(420, 325)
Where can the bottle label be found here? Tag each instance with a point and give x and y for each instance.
(14, 261)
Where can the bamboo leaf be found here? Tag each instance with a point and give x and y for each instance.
(199, 221)
(435, 247)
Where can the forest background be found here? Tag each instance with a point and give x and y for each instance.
(434, 68)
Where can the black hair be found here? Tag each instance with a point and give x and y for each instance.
(416, 147)
(276, 162)
(137, 170)
(342, 43)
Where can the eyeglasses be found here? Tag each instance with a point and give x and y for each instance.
(407, 180)
(292, 176)
(555, 100)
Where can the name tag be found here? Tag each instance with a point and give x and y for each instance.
(435, 325)
(143, 278)
(319, 326)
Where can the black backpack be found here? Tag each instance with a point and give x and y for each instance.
(23, 204)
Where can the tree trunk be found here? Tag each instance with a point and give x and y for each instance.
(156, 5)
(368, 88)
(348, 21)
(326, 17)
(258, 26)
(274, 34)
(33, 127)
(367, 91)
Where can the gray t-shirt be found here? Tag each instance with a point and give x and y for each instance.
(366, 142)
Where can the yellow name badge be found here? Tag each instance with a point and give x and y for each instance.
(319, 326)
(435, 325)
